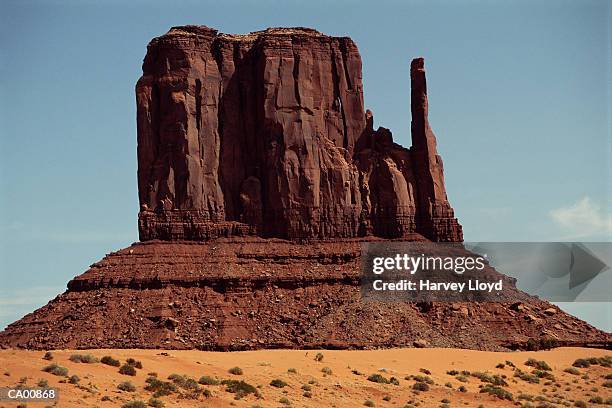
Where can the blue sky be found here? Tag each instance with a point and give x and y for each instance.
(519, 99)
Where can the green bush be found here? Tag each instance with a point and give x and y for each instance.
(306, 387)
(377, 378)
(134, 363)
(326, 370)
(159, 388)
(108, 360)
(83, 358)
(284, 401)
(572, 370)
(423, 379)
(420, 386)
(319, 357)
(236, 371)
(496, 391)
(56, 370)
(307, 394)
(126, 386)
(127, 369)
(488, 378)
(239, 387)
(208, 380)
(156, 403)
(184, 381)
(74, 379)
(539, 364)
(48, 356)
(278, 383)
(369, 403)
(530, 378)
(581, 363)
(134, 404)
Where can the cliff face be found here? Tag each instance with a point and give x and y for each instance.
(266, 134)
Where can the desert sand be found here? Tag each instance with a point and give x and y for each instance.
(307, 384)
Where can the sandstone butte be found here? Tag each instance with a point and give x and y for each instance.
(259, 177)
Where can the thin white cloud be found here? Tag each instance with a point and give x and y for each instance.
(583, 219)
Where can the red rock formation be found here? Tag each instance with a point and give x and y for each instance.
(266, 134)
(244, 293)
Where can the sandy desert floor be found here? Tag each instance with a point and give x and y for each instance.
(451, 378)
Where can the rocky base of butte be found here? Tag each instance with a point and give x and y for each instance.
(260, 174)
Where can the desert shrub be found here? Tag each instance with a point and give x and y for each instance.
(377, 378)
(307, 394)
(607, 384)
(126, 386)
(420, 386)
(356, 372)
(445, 401)
(580, 404)
(108, 360)
(596, 400)
(369, 403)
(306, 387)
(500, 365)
(184, 381)
(539, 364)
(134, 404)
(462, 388)
(83, 358)
(156, 403)
(530, 378)
(105, 398)
(572, 370)
(292, 371)
(127, 369)
(496, 391)
(448, 385)
(581, 363)
(461, 378)
(208, 380)
(387, 398)
(74, 379)
(425, 371)
(393, 381)
(423, 379)
(134, 363)
(284, 401)
(42, 383)
(319, 357)
(278, 383)
(326, 370)
(488, 378)
(48, 356)
(543, 374)
(236, 371)
(452, 372)
(526, 397)
(56, 370)
(159, 388)
(239, 387)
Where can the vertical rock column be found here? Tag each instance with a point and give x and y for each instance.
(435, 218)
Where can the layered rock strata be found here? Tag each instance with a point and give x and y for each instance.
(238, 294)
(266, 134)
